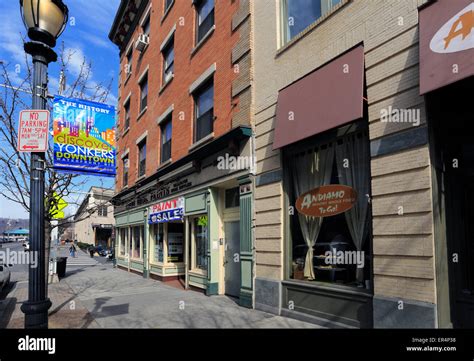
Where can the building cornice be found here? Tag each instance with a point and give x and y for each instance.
(126, 19)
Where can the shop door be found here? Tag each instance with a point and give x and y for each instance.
(450, 118)
(460, 233)
(232, 258)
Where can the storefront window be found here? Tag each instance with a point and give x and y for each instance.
(158, 239)
(232, 197)
(200, 242)
(137, 233)
(175, 242)
(329, 186)
(123, 241)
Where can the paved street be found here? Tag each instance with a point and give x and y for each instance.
(19, 272)
(100, 296)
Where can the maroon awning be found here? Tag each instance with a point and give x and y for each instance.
(446, 43)
(326, 98)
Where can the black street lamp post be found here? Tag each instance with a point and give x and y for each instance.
(45, 20)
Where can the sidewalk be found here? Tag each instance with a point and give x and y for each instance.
(66, 311)
(106, 297)
(118, 299)
(82, 257)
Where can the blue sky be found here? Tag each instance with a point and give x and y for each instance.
(86, 35)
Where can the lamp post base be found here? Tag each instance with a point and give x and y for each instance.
(36, 314)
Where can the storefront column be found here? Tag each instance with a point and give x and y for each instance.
(145, 244)
(246, 252)
(187, 244)
(213, 246)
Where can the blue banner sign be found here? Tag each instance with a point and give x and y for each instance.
(84, 137)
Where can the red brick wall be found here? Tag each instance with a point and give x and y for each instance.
(187, 68)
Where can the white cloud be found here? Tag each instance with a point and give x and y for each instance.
(77, 60)
(96, 15)
(11, 30)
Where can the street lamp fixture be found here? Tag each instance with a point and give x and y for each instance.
(44, 20)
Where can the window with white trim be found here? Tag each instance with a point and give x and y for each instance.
(297, 15)
(204, 110)
(205, 17)
(168, 61)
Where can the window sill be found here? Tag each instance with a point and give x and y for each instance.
(167, 11)
(310, 28)
(125, 187)
(125, 132)
(156, 264)
(198, 272)
(329, 287)
(165, 163)
(201, 142)
(141, 113)
(165, 85)
(203, 40)
(174, 264)
(141, 178)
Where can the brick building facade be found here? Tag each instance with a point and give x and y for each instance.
(184, 106)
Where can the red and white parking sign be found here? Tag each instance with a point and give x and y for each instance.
(33, 131)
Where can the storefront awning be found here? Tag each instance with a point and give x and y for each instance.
(326, 98)
(446, 43)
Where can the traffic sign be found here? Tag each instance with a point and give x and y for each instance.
(33, 131)
(59, 205)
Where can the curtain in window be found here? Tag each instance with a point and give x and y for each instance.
(310, 171)
(354, 152)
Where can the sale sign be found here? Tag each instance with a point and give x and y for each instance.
(33, 129)
(172, 210)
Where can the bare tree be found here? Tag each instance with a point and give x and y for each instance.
(14, 165)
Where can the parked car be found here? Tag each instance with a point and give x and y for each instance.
(4, 276)
(101, 250)
(26, 245)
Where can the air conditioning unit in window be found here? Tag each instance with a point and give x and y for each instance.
(127, 69)
(142, 42)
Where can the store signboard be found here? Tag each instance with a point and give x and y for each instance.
(326, 201)
(167, 211)
(446, 43)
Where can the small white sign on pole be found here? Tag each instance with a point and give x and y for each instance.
(33, 129)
